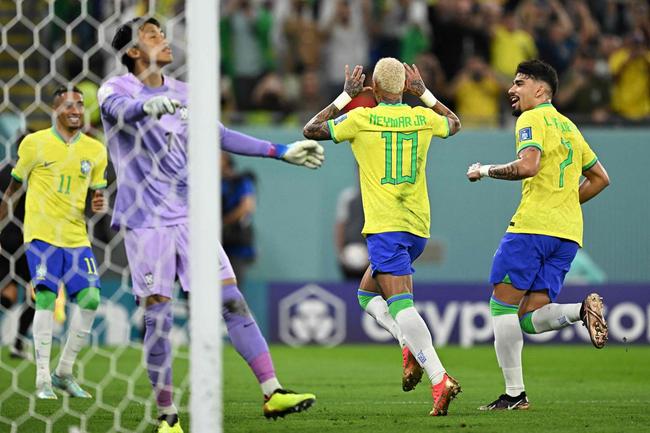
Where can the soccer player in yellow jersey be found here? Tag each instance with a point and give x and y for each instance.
(58, 165)
(390, 143)
(546, 231)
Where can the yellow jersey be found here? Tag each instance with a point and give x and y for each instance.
(390, 143)
(58, 175)
(550, 202)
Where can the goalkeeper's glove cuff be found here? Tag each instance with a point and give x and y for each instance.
(278, 150)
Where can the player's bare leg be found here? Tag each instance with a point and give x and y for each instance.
(398, 289)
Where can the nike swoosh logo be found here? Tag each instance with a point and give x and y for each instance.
(48, 163)
(510, 407)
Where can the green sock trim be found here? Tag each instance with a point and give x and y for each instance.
(45, 300)
(88, 298)
(498, 308)
(401, 303)
(526, 323)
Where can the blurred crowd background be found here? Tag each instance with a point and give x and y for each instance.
(283, 60)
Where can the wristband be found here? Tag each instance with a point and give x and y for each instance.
(277, 151)
(342, 100)
(428, 98)
(484, 171)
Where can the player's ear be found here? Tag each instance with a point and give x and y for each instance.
(133, 52)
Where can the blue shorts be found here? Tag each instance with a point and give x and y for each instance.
(75, 267)
(394, 252)
(533, 262)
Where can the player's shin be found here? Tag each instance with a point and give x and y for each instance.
(247, 338)
(42, 330)
(80, 326)
(550, 317)
(508, 344)
(376, 306)
(416, 335)
(158, 320)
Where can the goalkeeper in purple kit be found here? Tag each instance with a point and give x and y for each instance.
(145, 119)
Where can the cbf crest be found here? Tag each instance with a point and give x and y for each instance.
(86, 166)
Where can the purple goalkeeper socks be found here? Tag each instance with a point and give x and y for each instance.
(158, 350)
(245, 335)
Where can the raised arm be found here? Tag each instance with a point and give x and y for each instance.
(415, 86)
(317, 128)
(596, 180)
(527, 165)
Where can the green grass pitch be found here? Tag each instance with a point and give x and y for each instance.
(358, 388)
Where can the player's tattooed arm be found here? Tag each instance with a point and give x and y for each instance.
(317, 128)
(526, 166)
(506, 171)
(415, 86)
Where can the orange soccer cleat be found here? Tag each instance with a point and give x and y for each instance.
(443, 393)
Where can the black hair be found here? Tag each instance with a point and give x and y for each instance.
(124, 37)
(65, 89)
(539, 70)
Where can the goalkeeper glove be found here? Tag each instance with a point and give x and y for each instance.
(159, 105)
(303, 152)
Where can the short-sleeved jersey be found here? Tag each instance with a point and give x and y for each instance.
(390, 144)
(58, 176)
(550, 202)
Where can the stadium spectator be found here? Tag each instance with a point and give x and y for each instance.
(630, 68)
(345, 26)
(403, 29)
(477, 94)
(237, 209)
(147, 109)
(510, 44)
(303, 38)
(352, 253)
(58, 251)
(555, 36)
(395, 205)
(544, 235)
(585, 92)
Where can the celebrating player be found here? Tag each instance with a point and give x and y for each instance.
(60, 164)
(145, 119)
(546, 231)
(390, 143)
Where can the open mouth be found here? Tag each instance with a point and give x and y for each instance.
(513, 100)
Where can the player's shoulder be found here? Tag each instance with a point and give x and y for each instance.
(174, 84)
(38, 136)
(126, 83)
(91, 141)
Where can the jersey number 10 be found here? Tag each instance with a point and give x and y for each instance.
(398, 138)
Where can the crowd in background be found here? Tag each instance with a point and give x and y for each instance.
(288, 56)
(283, 60)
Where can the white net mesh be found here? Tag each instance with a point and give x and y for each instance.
(46, 44)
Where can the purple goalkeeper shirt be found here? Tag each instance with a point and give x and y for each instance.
(150, 156)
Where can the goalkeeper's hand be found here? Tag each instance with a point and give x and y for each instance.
(159, 105)
(304, 152)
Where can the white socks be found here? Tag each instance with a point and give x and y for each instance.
(508, 344)
(80, 326)
(418, 340)
(555, 316)
(42, 331)
(270, 385)
(378, 309)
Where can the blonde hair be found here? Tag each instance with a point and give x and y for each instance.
(389, 75)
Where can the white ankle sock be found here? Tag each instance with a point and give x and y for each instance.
(508, 344)
(42, 331)
(378, 309)
(555, 316)
(418, 340)
(270, 385)
(80, 326)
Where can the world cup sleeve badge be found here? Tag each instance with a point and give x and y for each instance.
(525, 134)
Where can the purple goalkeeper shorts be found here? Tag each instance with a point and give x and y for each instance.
(157, 256)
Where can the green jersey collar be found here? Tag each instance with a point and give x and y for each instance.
(57, 135)
(397, 104)
(542, 105)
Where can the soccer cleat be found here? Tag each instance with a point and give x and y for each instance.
(412, 372)
(168, 424)
(593, 318)
(505, 402)
(68, 384)
(44, 391)
(19, 353)
(443, 393)
(284, 402)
